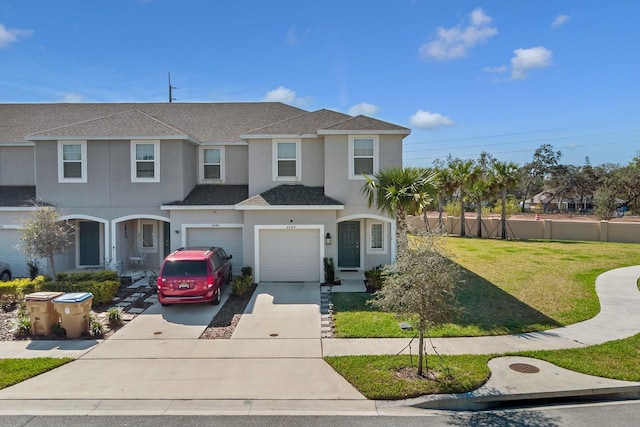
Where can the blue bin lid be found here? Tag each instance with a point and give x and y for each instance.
(74, 297)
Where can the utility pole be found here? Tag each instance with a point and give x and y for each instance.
(171, 98)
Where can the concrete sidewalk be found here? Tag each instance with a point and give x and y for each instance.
(255, 372)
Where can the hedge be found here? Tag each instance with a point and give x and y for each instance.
(103, 285)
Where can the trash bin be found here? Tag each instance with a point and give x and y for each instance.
(41, 311)
(74, 310)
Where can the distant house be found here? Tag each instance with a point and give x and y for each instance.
(277, 186)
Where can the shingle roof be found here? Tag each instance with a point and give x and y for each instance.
(364, 123)
(292, 195)
(207, 122)
(308, 123)
(133, 123)
(17, 196)
(214, 195)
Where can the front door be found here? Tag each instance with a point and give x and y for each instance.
(349, 244)
(89, 237)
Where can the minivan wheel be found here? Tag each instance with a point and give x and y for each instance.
(5, 276)
(216, 297)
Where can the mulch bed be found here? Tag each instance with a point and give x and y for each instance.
(225, 322)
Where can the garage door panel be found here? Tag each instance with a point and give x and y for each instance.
(229, 239)
(9, 239)
(289, 255)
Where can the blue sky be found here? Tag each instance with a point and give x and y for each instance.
(466, 77)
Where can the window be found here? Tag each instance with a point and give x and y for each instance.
(377, 237)
(148, 235)
(363, 156)
(145, 161)
(212, 164)
(72, 161)
(286, 156)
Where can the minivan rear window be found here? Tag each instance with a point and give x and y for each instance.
(185, 268)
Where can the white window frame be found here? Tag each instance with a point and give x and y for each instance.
(274, 167)
(83, 161)
(385, 237)
(154, 230)
(202, 164)
(156, 161)
(352, 157)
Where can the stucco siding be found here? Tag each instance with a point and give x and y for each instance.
(236, 165)
(260, 179)
(17, 166)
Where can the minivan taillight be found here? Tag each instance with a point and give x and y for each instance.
(210, 281)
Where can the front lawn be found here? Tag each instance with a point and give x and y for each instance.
(13, 371)
(385, 377)
(508, 287)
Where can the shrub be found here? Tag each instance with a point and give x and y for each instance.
(97, 329)
(452, 209)
(114, 316)
(240, 285)
(375, 278)
(246, 271)
(58, 331)
(34, 271)
(329, 270)
(23, 322)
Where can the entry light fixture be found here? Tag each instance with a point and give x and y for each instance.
(327, 239)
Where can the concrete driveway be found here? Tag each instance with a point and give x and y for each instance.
(275, 354)
(281, 310)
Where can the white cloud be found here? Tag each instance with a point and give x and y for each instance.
(294, 38)
(364, 108)
(8, 36)
(281, 94)
(527, 59)
(560, 20)
(454, 42)
(287, 96)
(71, 97)
(427, 120)
(501, 69)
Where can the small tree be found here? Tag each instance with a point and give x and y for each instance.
(44, 235)
(420, 285)
(605, 200)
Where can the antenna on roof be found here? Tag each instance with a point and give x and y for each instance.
(171, 98)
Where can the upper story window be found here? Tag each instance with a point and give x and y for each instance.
(145, 161)
(212, 164)
(363, 156)
(286, 160)
(72, 161)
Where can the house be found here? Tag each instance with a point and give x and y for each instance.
(277, 186)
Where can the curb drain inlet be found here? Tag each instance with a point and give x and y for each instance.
(273, 335)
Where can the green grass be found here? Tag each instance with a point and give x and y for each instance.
(376, 377)
(13, 371)
(508, 287)
(614, 359)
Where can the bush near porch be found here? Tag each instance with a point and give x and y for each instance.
(102, 284)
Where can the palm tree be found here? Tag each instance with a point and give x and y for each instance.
(506, 175)
(399, 192)
(461, 174)
(479, 189)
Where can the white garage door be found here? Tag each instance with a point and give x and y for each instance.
(289, 255)
(229, 239)
(9, 239)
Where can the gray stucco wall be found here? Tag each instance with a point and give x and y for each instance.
(17, 166)
(109, 176)
(236, 164)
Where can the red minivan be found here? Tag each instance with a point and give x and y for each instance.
(190, 275)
